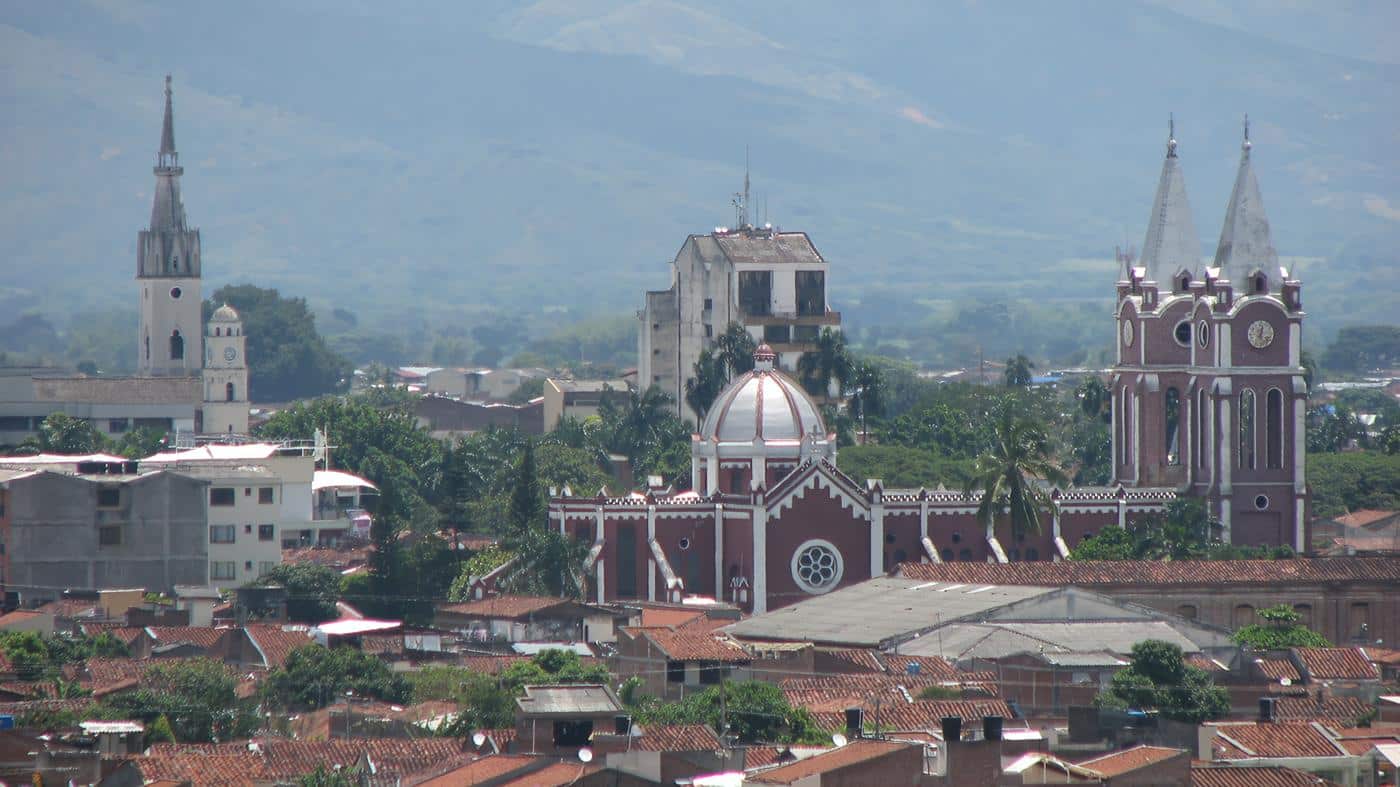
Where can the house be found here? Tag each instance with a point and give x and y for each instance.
(664, 753)
(861, 762)
(1304, 746)
(527, 619)
(673, 661)
(561, 719)
(579, 399)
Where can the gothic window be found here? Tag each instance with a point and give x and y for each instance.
(228, 392)
(1273, 429)
(1173, 406)
(177, 346)
(1247, 429)
(816, 566)
(1202, 428)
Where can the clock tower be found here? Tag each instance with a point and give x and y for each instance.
(225, 374)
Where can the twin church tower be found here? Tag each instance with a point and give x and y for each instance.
(174, 340)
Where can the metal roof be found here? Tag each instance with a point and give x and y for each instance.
(1245, 242)
(876, 611)
(1172, 243)
(569, 699)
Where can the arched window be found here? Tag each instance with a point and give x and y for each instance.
(1185, 282)
(1126, 427)
(177, 346)
(1187, 611)
(228, 392)
(1273, 429)
(1244, 615)
(1173, 407)
(1202, 428)
(218, 331)
(1247, 428)
(1261, 283)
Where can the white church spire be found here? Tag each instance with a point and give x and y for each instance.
(1172, 244)
(1246, 245)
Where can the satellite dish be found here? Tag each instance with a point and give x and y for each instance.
(585, 755)
(1285, 681)
(839, 740)
(478, 738)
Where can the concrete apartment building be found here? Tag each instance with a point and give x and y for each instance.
(244, 518)
(70, 530)
(771, 282)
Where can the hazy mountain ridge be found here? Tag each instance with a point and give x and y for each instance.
(443, 161)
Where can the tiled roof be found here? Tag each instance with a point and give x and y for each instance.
(1244, 740)
(232, 769)
(1229, 776)
(202, 637)
(489, 665)
(484, 769)
(676, 737)
(127, 634)
(669, 616)
(696, 644)
(851, 754)
(1173, 572)
(555, 775)
(503, 606)
(277, 642)
(922, 715)
(1278, 669)
(760, 756)
(1364, 745)
(27, 689)
(929, 666)
(863, 659)
(1364, 517)
(283, 760)
(1336, 664)
(1120, 762)
(1345, 710)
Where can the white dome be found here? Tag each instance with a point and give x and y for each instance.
(764, 405)
(225, 313)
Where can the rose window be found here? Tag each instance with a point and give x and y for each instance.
(816, 566)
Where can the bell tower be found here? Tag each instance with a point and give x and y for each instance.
(168, 271)
(225, 374)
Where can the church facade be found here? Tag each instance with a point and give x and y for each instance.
(769, 519)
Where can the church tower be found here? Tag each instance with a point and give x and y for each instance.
(225, 374)
(168, 271)
(1208, 390)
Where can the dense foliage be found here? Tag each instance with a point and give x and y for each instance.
(488, 701)
(287, 358)
(312, 590)
(755, 711)
(314, 677)
(1184, 531)
(1350, 481)
(1158, 678)
(1280, 630)
(36, 657)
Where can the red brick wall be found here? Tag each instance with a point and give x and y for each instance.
(814, 515)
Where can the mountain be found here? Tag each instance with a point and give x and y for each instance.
(447, 161)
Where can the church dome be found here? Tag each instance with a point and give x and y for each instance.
(764, 405)
(225, 313)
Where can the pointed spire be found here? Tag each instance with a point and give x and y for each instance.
(1172, 243)
(168, 156)
(1246, 245)
(167, 212)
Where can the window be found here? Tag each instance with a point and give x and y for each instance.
(222, 534)
(1187, 611)
(817, 566)
(675, 672)
(709, 331)
(1202, 428)
(1173, 406)
(1244, 615)
(266, 566)
(175, 292)
(221, 496)
(109, 496)
(709, 304)
(117, 425)
(1032, 553)
(1185, 282)
(247, 565)
(14, 423)
(177, 346)
(777, 334)
(806, 333)
(266, 532)
(109, 536)
(756, 293)
(1182, 333)
(626, 550)
(1261, 284)
(228, 392)
(965, 554)
(1359, 623)
(221, 569)
(947, 555)
(811, 293)
(265, 495)
(710, 673)
(1273, 429)
(1247, 428)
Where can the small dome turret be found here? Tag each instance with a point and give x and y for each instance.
(764, 405)
(225, 313)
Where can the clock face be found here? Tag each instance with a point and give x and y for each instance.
(1261, 334)
(1128, 333)
(230, 353)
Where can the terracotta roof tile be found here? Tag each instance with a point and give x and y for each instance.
(1245, 740)
(1230, 776)
(1364, 517)
(556, 775)
(691, 644)
(929, 666)
(1120, 762)
(851, 754)
(676, 737)
(760, 756)
(1173, 572)
(233, 769)
(1363, 745)
(480, 770)
(1278, 669)
(1336, 664)
(669, 616)
(127, 634)
(202, 637)
(863, 659)
(490, 665)
(503, 606)
(283, 760)
(277, 642)
(922, 715)
(1344, 710)
(1204, 662)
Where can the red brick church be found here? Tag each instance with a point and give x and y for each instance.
(1208, 401)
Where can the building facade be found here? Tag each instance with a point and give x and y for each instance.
(1209, 397)
(225, 374)
(773, 283)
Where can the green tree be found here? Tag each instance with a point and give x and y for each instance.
(1018, 371)
(1361, 348)
(1095, 398)
(529, 389)
(314, 677)
(903, 466)
(312, 590)
(325, 776)
(830, 362)
(1158, 678)
(1184, 530)
(287, 358)
(756, 712)
(734, 349)
(709, 379)
(527, 503)
(199, 696)
(1343, 482)
(140, 443)
(61, 433)
(1280, 630)
(160, 731)
(867, 390)
(1008, 475)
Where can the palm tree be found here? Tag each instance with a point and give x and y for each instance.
(734, 350)
(709, 380)
(1007, 474)
(1094, 398)
(867, 385)
(1018, 371)
(830, 361)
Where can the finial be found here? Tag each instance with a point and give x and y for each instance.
(1247, 143)
(1171, 135)
(167, 86)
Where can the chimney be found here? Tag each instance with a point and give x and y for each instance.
(952, 729)
(855, 722)
(1266, 709)
(991, 728)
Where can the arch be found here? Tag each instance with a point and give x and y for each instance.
(1247, 413)
(228, 392)
(1172, 405)
(177, 346)
(1273, 429)
(218, 331)
(1260, 282)
(1184, 281)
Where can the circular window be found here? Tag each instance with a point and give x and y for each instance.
(816, 566)
(1203, 333)
(684, 544)
(1261, 502)
(1182, 332)
(175, 293)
